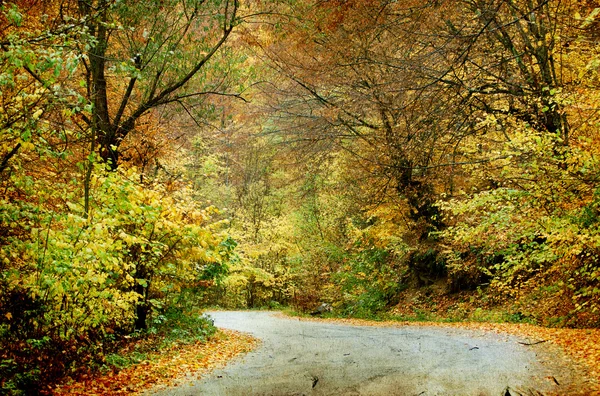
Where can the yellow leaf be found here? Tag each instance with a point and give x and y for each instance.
(27, 146)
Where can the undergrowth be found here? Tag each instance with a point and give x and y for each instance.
(42, 365)
(173, 328)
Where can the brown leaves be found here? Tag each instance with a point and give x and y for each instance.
(165, 367)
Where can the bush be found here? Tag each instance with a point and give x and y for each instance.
(71, 282)
(370, 281)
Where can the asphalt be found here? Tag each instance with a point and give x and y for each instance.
(299, 357)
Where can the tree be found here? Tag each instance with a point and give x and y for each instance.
(441, 99)
(77, 273)
(350, 81)
(162, 49)
(403, 85)
(35, 62)
(508, 64)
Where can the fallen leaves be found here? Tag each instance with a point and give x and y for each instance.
(581, 345)
(164, 368)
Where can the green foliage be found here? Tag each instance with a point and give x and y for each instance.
(369, 281)
(540, 218)
(265, 281)
(87, 256)
(34, 65)
(174, 327)
(69, 281)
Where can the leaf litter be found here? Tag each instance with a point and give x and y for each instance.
(165, 367)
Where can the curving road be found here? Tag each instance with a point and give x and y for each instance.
(316, 358)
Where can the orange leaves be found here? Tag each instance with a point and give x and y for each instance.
(580, 344)
(164, 367)
(150, 142)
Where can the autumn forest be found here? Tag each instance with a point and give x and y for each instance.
(415, 159)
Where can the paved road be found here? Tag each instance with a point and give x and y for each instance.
(316, 358)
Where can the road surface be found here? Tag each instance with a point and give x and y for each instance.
(300, 357)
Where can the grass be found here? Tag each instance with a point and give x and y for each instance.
(478, 315)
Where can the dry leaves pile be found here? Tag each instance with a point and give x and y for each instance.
(582, 346)
(165, 367)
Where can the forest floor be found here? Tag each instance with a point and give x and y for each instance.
(354, 357)
(163, 367)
